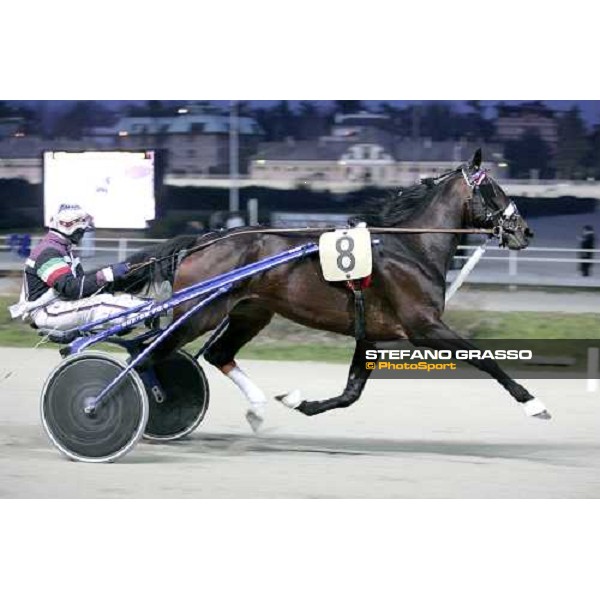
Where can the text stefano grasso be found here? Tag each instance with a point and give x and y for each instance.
(448, 354)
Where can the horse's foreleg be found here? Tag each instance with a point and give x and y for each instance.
(245, 321)
(441, 337)
(357, 378)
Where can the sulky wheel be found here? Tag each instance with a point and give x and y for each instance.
(115, 427)
(178, 397)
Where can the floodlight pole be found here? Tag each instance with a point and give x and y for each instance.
(234, 198)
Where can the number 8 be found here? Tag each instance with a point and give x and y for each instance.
(345, 253)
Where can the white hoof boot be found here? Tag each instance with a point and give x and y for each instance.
(292, 399)
(536, 408)
(256, 417)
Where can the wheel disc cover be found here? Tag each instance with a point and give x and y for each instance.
(113, 430)
(184, 384)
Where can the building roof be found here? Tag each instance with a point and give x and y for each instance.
(11, 125)
(526, 108)
(362, 118)
(185, 123)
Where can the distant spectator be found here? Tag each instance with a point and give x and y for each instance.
(194, 227)
(234, 219)
(587, 241)
(14, 241)
(25, 246)
(217, 220)
(20, 244)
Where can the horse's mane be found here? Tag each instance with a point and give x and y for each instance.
(399, 206)
(405, 203)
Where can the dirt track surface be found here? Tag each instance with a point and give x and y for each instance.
(401, 440)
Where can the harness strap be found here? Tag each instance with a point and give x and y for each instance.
(357, 286)
(308, 231)
(317, 230)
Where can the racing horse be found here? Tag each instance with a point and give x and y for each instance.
(406, 300)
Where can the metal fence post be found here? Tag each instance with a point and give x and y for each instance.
(512, 267)
(592, 369)
(252, 211)
(122, 252)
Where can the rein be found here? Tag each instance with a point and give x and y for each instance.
(309, 230)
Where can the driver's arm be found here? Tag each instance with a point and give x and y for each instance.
(56, 273)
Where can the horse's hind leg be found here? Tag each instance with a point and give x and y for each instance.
(246, 320)
(357, 379)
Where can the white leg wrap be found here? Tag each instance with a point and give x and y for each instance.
(292, 400)
(533, 407)
(252, 392)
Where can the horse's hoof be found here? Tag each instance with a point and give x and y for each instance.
(291, 400)
(536, 408)
(255, 420)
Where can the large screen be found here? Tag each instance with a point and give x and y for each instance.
(116, 188)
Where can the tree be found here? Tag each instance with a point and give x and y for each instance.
(530, 152)
(154, 108)
(311, 122)
(278, 121)
(31, 121)
(400, 119)
(476, 107)
(475, 125)
(77, 120)
(348, 106)
(7, 110)
(572, 145)
(438, 121)
(593, 161)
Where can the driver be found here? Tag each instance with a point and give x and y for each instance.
(57, 293)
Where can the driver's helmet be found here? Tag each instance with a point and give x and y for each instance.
(72, 221)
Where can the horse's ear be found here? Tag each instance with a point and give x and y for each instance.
(476, 160)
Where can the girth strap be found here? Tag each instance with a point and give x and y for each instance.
(359, 315)
(356, 286)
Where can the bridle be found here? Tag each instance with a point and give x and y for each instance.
(482, 209)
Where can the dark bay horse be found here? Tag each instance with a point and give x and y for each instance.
(405, 300)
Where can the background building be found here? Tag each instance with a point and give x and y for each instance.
(513, 122)
(196, 138)
(362, 149)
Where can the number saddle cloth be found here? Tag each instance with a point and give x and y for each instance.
(346, 255)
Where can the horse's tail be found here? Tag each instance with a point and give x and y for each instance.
(155, 264)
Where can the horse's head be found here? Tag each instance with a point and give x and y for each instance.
(489, 206)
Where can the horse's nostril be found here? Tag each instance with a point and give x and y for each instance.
(528, 233)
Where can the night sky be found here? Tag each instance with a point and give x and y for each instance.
(590, 109)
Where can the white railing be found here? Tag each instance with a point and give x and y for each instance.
(543, 266)
(514, 257)
(509, 265)
(122, 247)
